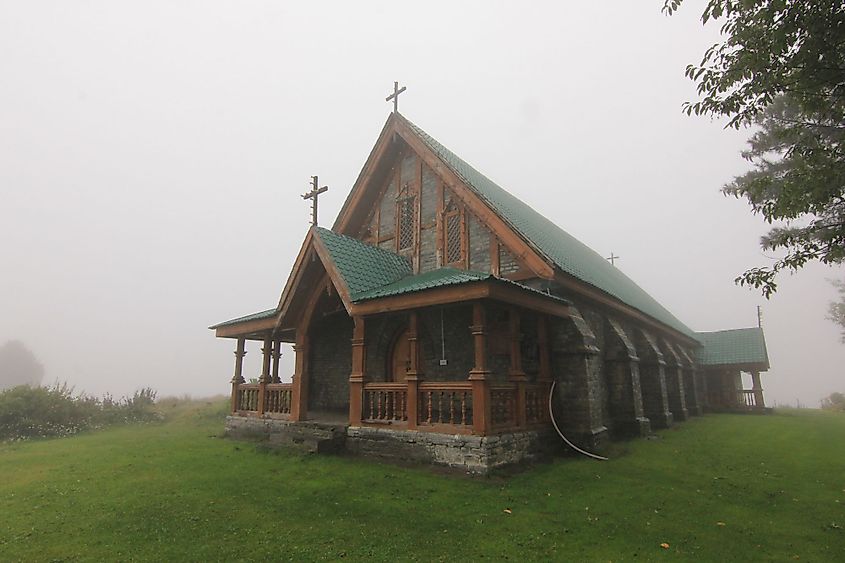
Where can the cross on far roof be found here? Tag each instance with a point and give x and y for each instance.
(613, 258)
(395, 96)
(312, 195)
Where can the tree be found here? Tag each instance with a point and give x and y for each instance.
(781, 66)
(836, 311)
(834, 402)
(18, 366)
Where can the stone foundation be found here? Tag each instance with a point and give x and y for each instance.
(316, 437)
(474, 454)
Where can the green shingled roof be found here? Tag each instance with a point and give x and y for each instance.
(364, 267)
(733, 347)
(253, 317)
(427, 280)
(568, 253)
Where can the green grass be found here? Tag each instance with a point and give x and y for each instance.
(175, 491)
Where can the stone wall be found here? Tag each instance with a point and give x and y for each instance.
(330, 363)
(479, 244)
(472, 454)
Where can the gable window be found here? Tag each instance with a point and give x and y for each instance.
(406, 216)
(453, 236)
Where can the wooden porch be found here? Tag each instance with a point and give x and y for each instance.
(484, 408)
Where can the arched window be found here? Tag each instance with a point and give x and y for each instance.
(453, 235)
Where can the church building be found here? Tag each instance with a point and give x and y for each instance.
(443, 320)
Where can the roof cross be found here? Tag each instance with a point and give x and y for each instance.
(395, 96)
(612, 259)
(312, 195)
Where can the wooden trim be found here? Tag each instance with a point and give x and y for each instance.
(245, 328)
(366, 175)
(495, 265)
(451, 294)
(334, 275)
(293, 278)
(356, 377)
(439, 223)
(490, 218)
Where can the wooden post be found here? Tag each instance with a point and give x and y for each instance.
(516, 374)
(758, 390)
(412, 376)
(479, 374)
(238, 378)
(277, 356)
(356, 377)
(299, 389)
(267, 351)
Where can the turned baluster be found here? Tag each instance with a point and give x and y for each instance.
(428, 419)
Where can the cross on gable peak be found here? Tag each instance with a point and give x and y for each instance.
(395, 96)
(313, 195)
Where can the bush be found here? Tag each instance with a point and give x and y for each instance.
(834, 402)
(35, 412)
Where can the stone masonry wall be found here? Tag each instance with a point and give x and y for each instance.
(330, 363)
(472, 454)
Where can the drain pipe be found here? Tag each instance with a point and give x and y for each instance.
(565, 439)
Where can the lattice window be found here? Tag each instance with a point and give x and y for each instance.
(454, 242)
(406, 216)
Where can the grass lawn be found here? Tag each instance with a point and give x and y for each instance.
(717, 488)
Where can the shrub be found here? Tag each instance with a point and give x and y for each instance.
(35, 412)
(834, 402)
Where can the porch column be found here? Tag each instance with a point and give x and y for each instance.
(299, 389)
(356, 377)
(413, 375)
(758, 390)
(267, 351)
(515, 373)
(479, 374)
(277, 356)
(238, 378)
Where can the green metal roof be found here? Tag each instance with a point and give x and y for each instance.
(427, 280)
(569, 254)
(363, 267)
(253, 317)
(733, 347)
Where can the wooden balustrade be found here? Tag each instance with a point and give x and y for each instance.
(278, 398)
(446, 403)
(503, 398)
(537, 403)
(385, 403)
(441, 406)
(247, 397)
(747, 399)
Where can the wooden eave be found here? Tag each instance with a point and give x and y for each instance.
(484, 289)
(311, 246)
(749, 367)
(250, 330)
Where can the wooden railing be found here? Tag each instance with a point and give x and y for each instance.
(537, 403)
(277, 399)
(247, 394)
(503, 405)
(456, 407)
(385, 403)
(747, 399)
(448, 403)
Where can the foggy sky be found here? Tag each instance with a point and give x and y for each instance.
(152, 157)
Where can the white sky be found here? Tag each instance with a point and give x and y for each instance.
(152, 155)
